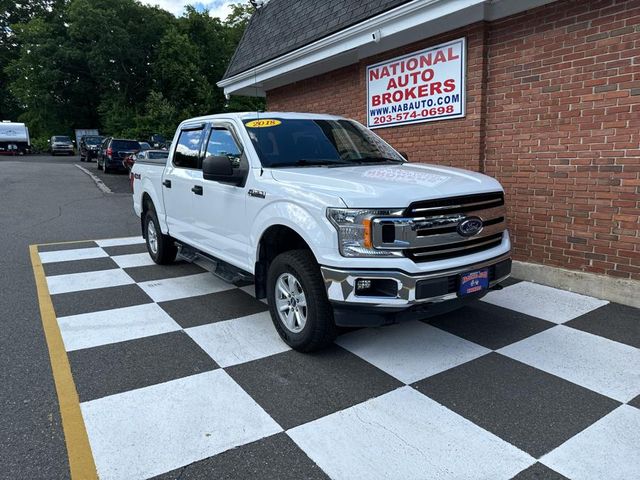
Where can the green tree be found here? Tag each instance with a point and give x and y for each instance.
(13, 13)
(118, 65)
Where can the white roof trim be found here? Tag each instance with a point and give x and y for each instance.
(387, 24)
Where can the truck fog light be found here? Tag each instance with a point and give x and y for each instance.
(376, 287)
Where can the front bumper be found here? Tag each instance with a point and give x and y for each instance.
(417, 292)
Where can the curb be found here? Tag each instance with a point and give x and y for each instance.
(619, 290)
(99, 183)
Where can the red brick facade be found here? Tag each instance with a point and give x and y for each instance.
(553, 112)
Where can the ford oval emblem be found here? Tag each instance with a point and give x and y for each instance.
(470, 226)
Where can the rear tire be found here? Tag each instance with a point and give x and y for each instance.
(298, 302)
(98, 164)
(161, 247)
(105, 169)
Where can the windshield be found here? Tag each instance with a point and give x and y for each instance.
(92, 140)
(60, 138)
(144, 146)
(125, 145)
(298, 142)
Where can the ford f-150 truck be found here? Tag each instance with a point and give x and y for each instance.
(334, 226)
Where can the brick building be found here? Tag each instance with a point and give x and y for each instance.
(551, 108)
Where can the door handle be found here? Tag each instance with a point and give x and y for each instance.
(197, 189)
(167, 183)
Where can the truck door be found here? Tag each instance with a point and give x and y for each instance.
(178, 182)
(220, 217)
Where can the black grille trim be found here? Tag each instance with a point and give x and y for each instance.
(454, 249)
(460, 204)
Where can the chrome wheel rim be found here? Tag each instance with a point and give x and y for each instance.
(291, 302)
(152, 237)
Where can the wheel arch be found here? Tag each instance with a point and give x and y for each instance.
(275, 240)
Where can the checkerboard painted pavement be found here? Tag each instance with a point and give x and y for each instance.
(180, 374)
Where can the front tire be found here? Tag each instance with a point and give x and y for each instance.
(161, 247)
(298, 302)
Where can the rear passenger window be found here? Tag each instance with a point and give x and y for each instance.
(188, 149)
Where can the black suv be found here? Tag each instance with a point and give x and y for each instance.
(90, 147)
(113, 151)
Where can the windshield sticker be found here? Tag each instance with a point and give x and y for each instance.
(263, 123)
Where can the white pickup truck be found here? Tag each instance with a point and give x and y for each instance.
(334, 226)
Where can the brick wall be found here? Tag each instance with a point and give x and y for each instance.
(343, 92)
(563, 133)
(553, 112)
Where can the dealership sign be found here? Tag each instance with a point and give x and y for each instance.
(420, 87)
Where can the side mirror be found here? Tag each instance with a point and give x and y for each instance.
(218, 169)
(405, 155)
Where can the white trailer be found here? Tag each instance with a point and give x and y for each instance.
(14, 138)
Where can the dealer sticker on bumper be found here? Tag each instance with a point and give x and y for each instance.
(474, 282)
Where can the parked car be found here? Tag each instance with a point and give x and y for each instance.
(61, 144)
(129, 160)
(157, 141)
(143, 155)
(90, 147)
(331, 223)
(113, 151)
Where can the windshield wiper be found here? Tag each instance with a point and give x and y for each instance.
(376, 160)
(308, 163)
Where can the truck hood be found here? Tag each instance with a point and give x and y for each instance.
(387, 186)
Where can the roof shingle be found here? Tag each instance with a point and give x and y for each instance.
(282, 26)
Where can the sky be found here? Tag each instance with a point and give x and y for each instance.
(217, 8)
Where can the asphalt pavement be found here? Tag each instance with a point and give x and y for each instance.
(530, 382)
(118, 182)
(43, 199)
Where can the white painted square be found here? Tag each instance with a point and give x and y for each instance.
(142, 433)
(117, 325)
(183, 287)
(608, 449)
(412, 350)
(544, 302)
(406, 435)
(594, 362)
(240, 340)
(133, 260)
(70, 255)
(117, 242)
(76, 282)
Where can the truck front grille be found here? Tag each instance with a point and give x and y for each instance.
(454, 249)
(428, 230)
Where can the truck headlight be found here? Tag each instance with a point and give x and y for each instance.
(355, 236)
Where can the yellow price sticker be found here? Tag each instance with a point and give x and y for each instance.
(263, 123)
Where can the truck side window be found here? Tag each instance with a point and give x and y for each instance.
(223, 144)
(187, 151)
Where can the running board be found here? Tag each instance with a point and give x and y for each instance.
(219, 268)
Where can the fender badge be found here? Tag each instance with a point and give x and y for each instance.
(257, 193)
